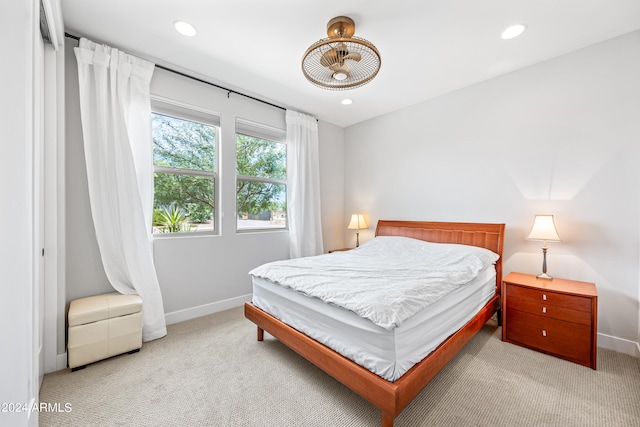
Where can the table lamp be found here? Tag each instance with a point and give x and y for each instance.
(544, 228)
(357, 223)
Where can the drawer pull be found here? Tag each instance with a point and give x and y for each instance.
(544, 297)
(544, 310)
(544, 333)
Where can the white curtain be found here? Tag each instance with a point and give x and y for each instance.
(116, 126)
(303, 186)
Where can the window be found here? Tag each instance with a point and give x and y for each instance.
(185, 177)
(261, 174)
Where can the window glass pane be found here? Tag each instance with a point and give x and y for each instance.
(182, 203)
(183, 144)
(260, 158)
(261, 205)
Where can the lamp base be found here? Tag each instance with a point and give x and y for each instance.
(544, 274)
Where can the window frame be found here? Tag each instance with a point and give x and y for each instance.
(268, 133)
(182, 111)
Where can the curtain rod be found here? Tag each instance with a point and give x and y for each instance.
(229, 91)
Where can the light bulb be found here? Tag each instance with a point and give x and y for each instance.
(340, 75)
(513, 31)
(185, 28)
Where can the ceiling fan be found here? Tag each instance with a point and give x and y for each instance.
(341, 61)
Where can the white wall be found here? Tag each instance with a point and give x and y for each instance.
(18, 251)
(560, 137)
(197, 275)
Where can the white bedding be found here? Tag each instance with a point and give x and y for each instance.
(387, 280)
(388, 353)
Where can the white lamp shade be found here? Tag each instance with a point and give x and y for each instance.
(544, 228)
(357, 222)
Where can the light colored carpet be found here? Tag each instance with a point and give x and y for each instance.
(211, 371)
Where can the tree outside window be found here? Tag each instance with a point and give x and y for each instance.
(184, 154)
(261, 169)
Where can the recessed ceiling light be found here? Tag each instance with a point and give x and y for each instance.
(346, 101)
(185, 28)
(513, 31)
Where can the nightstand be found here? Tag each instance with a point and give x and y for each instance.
(557, 317)
(340, 250)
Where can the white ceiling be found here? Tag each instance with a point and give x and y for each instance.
(428, 47)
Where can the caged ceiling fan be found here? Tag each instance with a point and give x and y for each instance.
(341, 61)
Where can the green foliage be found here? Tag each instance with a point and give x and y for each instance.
(157, 220)
(254, 197)
(260, 158)
(195, 194)
(199, 213)
(184, 145)
(171, 219)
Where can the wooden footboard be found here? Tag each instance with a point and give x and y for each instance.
(390, 397)
(362, 381)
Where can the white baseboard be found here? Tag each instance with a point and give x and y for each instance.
(620, 345)
(61, 361)
(206, 309)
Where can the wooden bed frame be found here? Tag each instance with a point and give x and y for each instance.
(392, 397)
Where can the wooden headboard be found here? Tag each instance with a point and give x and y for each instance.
(489, 236)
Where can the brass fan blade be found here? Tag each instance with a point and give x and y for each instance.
(354, 56)
(339, 67)
(329, 58)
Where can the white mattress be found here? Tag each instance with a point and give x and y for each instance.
(387, 353)
(386, 280)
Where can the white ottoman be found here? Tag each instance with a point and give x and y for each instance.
(103, 326)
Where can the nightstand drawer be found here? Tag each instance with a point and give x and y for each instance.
(568, 340)
(550, 311)
(558, 316)
(551, 298)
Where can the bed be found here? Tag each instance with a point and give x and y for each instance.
(390, 394)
